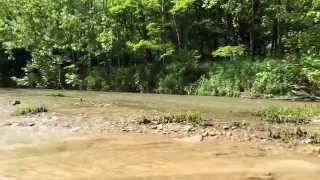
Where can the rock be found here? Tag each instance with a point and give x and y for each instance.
(234, 128)
(76, 129)
(244, 124)
(154, 127)
(160, 127)
(15, 102)
(144, 120)
(213, 133)
(226, 127)
(67, 125)
(208, 124)
(139, 131)
(307, 141)
(31, 124)
(127, 129)
(188, 128)
(7, 124)
(229, 134)
(205, 134)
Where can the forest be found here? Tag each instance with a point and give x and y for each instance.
(198, 47)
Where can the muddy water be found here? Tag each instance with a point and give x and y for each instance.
(29, 154)
(151, 158)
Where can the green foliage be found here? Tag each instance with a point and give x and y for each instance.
(181, 5)
(229, 52)
(162, 46)
(227, 79)
(275, 77)
(311, 71)
(289, 115)
(20, 111)
(190, 117)
(177, 76)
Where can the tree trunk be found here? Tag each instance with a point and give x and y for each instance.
(177, 33)
(252, 31)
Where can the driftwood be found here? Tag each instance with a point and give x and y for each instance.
(305, 93)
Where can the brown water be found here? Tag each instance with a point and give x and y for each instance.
(28, 154)
(150, 157)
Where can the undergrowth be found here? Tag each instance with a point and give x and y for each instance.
(298, 115)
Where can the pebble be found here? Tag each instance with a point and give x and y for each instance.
(139, 131)
(188, 128)
(225, 127)
(205, 134)
(160, 127)
(7, 124)
(15, 102)
(31, 124)
(76, 129)
(212, 133)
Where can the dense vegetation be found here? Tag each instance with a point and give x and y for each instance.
(205, 47)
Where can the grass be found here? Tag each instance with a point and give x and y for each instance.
(20, 111)
(297, 115)
(194, 118)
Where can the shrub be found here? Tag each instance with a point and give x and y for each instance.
(229, 52)
(29, 110)
(177, 76)
(275, 77)
(194, 118)
(227, 79)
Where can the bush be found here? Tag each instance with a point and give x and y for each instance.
(29, 110)
(178, 76)
(227, 79)
(310, 72)
(194, 118)
(275, 77)
(142, 78)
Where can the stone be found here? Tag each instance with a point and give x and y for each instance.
(234, 128)
(208, 124)
(226, 127)
(15, 102)
(188, 128)
(124, 130)
(7, 124)
(139, 131)
(31, 124)
(160, 127)
(205, 134)
(213, 133)
(76, 129)
(144, 120)
(67, 125)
